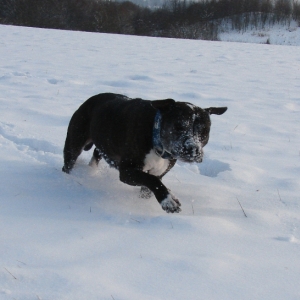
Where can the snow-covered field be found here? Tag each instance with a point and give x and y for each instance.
(89, 236)
(278, 34)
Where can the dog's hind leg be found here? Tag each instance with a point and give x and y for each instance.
(95, 158)
(77, 140)
(72, 150)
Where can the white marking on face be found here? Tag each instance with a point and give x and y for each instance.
(155, 164)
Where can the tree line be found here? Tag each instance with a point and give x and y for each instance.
(175, 18)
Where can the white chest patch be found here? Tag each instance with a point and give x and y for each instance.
(155, 164)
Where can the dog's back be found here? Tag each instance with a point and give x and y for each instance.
(108, 115)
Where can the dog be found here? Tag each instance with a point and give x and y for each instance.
(141, 138)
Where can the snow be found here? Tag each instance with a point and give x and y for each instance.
(276, 34)
(87, 235)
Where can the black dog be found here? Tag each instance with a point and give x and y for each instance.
(141, 138)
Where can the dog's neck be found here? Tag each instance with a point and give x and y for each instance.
(157, 144)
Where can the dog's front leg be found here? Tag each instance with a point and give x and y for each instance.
(136, 177)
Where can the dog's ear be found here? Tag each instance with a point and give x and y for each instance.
(163, 105)
(216, 110)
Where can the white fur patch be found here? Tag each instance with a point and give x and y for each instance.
(155, 164)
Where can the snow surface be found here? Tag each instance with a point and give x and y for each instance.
(277, 34)
(89, 236)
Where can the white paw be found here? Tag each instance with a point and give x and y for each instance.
(171, 204)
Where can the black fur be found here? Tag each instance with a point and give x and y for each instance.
(122, 131)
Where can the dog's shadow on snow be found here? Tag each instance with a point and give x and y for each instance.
(209, 167)
(212, 167)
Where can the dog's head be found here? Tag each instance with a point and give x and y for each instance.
(185, 128)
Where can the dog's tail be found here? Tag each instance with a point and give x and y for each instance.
(88, 146)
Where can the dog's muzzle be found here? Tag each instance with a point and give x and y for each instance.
(190, 151)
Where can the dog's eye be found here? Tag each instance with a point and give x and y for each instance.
(204, 136)
(198, 127)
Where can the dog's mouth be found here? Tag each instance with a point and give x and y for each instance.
(188, 157)
(191, 159)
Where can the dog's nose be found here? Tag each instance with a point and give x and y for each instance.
(193, 150)
(195, 153)
(190, 145)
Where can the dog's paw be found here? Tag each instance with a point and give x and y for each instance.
(171, 204)
(145, 193)
(66, 170)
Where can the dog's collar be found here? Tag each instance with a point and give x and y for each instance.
(157, 144)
